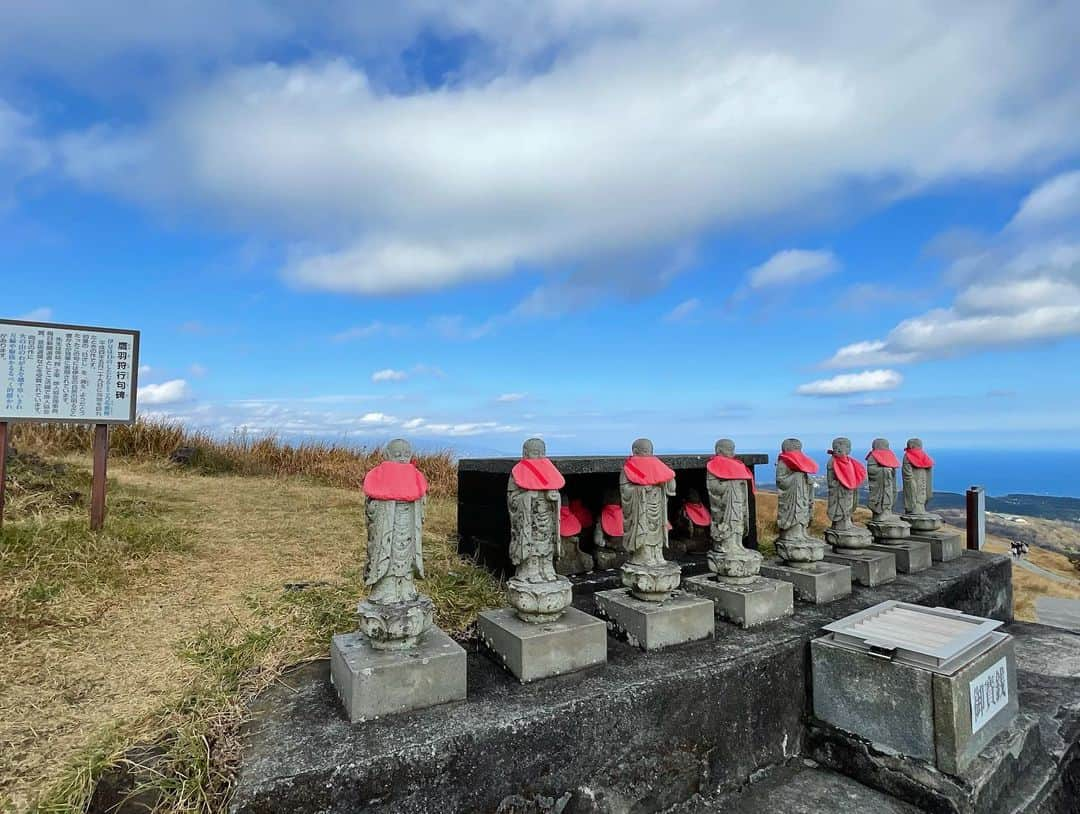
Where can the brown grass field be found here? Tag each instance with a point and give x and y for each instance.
(158, 630)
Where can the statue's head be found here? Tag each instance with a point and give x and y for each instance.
(399, 450)
(642, 446)
(791, 445)
(841, 446)
(725, 447)
(880, 443)
(534, 448)
(914, 443)
(692, 496)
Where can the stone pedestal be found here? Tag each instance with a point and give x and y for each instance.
(889, 528)
(922, 522)
(608, 558)
(739, 564)
(851, 539)
(868, 568)
(945, 545)
(911, 555)
(804, 550)
(372, 683)
(395, 625)
(653, 625)
(651, 583)
(540, 601)
(747, 603)
(534, 651)
(817, 582)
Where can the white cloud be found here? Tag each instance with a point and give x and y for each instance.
(1053, 201)
(793, 267)
(511, 397)
(389, 375)
(715, 120)
(169, 392)
(198, 370)
(873, 352)
(683, 310)
(869, 381)
(37, 315)
(376, 328)
(145, 370)
(22, 151)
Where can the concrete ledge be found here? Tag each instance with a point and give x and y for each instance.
(651, 727)
(532, 652)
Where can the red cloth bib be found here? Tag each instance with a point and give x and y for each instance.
(647, 470)
(730, 469)
(611, 520)
(918, 457)
(392, 480)
(798, 461)
(537, 473)
(583, 515)
(848, 471)
(884, 457)
(568, 524)
(697, 513)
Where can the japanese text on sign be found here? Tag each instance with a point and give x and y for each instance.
(67, 373)
(989, 694)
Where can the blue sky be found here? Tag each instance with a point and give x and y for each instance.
(589, 221)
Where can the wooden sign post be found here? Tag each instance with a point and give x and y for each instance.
(68, 374)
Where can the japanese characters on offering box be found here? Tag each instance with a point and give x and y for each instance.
(67, 373)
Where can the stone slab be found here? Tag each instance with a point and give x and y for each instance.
(945, 545)
(532, 652)
(819, 583)
(912, 556)
(746, 605)
(681, 618)
(374, 683)
(622, 731)
(868, 568)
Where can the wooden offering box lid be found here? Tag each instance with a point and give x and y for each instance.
(938, 639)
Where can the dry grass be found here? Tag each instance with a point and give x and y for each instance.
(166, 649)
(156, 440)
(1029, 586)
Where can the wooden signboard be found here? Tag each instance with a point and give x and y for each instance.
(68, 373)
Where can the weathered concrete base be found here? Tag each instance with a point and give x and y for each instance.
(680, 618)
(534, 651)
(912, 556)
(868, 568)
(748, 604)
(818, 582)
(373, 683)
(705, 716)
(945, 545)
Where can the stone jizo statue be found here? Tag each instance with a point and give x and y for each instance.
(795, 505)
(537, 592)
(729, 482)
(645, 484)
(394, 615)
(845, 475)
(918, 487)
(881, 466)
(608, 533)
(570, 559)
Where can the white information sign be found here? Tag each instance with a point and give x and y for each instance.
(989, 694)
(70, 373)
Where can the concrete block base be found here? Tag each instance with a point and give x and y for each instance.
(818, 582)
(534, 651)
(912, 556)
(746, 605)
(869, 568)
(945, 546)
(653, 625)
(373, 683)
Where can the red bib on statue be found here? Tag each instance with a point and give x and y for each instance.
(537, 473)
(647, 470)
(798, 461)
(697, 513)
(730, 469)
(848, 471)
(884, 457)
(918, 457)
(392, 480)
(584, 516)
(611, 520)
(568, 524)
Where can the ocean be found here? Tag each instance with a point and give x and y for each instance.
(1004, 472)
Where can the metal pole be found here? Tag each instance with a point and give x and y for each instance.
(3, 467)
(97, 488)
(976, 518)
